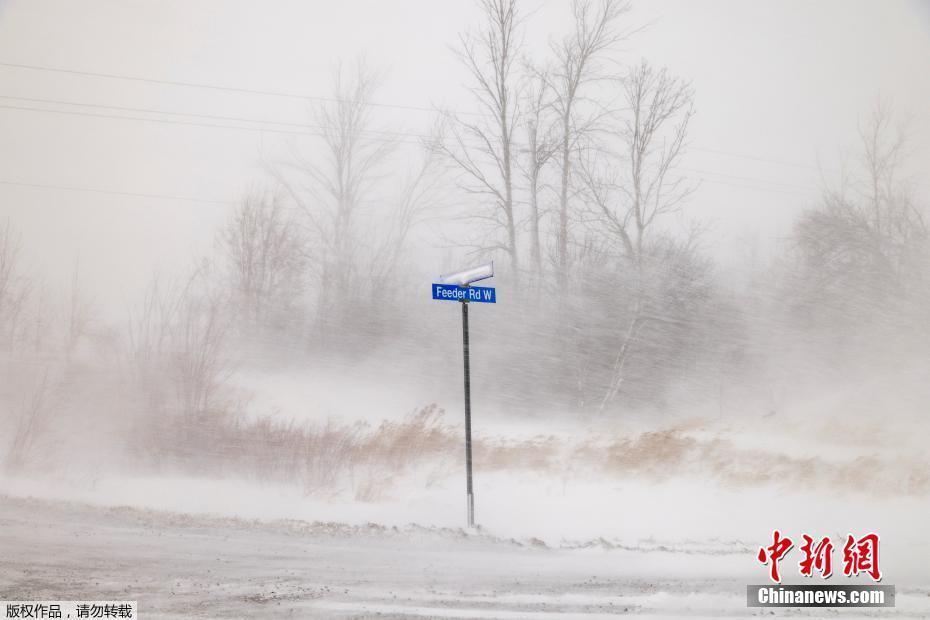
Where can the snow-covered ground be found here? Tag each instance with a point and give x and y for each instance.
(660, 517)
(665, 523)
(183, 566)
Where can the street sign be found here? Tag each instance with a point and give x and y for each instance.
(480, 294)
(469, 276)
(456, 287)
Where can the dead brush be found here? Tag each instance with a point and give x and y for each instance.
(656, 453)
(394, 445)
(537, 453)
(326, 457)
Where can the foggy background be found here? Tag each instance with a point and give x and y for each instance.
(219, 222)
(785, 82)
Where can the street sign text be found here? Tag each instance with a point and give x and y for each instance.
(449, 292)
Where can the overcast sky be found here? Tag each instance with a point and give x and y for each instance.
(780, 87)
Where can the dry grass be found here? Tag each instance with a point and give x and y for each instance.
(369, 460)
(322, 458)
(673, 453)
(538, 453)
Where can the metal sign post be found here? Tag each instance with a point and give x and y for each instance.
(466, 358)
(457, 287)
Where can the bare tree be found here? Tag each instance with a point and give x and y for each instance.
(30, 423)
(333, 189)
(39, 318)
(883, 146)
(868, 241)
(177, 350)
(635, 185)
(9, 253)
(483, 146)
(199, 366)
(542, 145)
(896, 218)
(416, 196)
(79, 313)
(148, 329)
(14, 287)
(264, 251)
(577, 63)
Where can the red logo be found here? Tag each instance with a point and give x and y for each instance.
(859, 556)
(817, 557)
(775, 552)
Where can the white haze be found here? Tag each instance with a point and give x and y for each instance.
(782, 384)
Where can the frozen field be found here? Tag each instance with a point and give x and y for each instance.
(180, 566)
(671, 529)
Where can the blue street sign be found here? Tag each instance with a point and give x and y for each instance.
(450, 292)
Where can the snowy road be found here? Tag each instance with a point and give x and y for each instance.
(178, 566)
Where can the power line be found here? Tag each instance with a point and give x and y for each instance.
(175, 197)
(777, 184)
(778, 161)
(185, 123)
(300, 96)
(72, 188)
(755, 158)
(766, 190)
(281, 131)
(234, 89)
(318, 128)
(785, 188)
(192, 115)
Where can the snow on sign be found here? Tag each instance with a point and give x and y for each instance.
(482, 294)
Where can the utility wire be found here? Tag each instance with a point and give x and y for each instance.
(188, 123)
(755, 158)
(318, 133)
(233, 89)
(316, 130)
(735, 177)
(175, 197)
(71, 188)
(194, 115)
(767, 190)
(326, 99)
